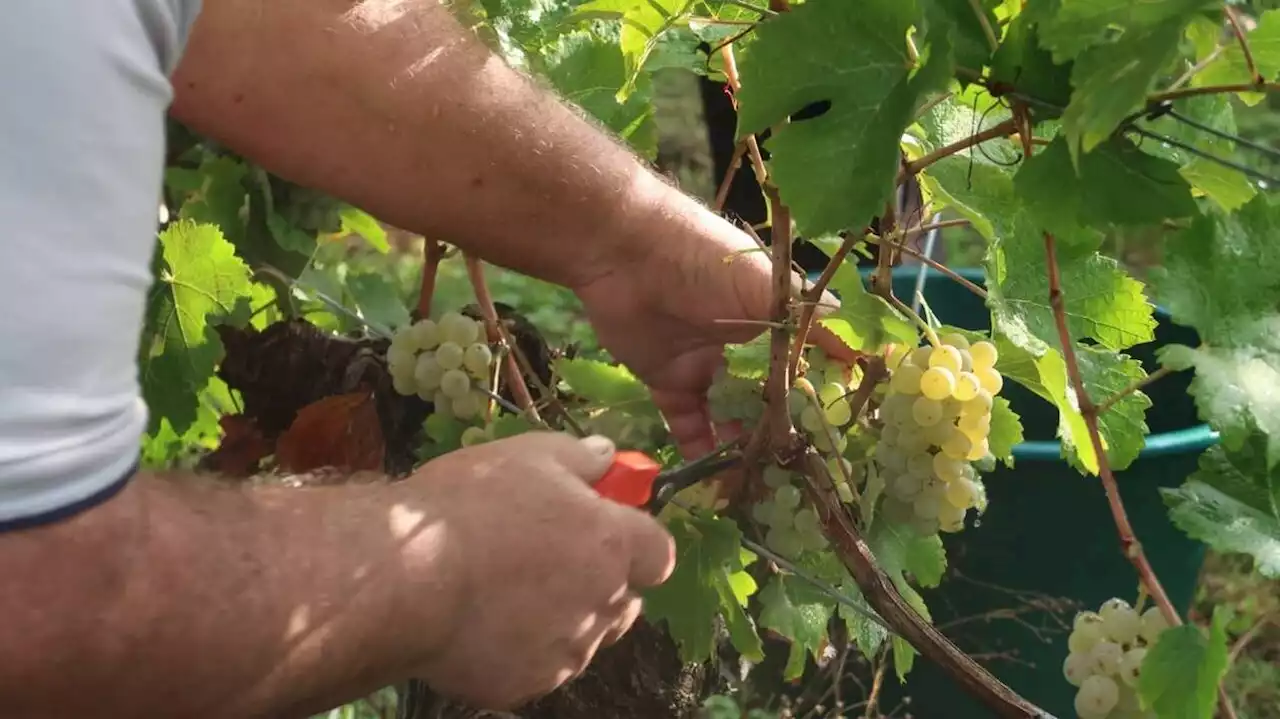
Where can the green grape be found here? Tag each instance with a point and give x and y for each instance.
(906, 380)
(981, 404)
(477, 358)
(797, 402)
(945, 357)
(920, 463)
(955, 339)
(1076, 668)
(891, 458)
(403, 384)
(428, 372)
(787, 496)
(469, 405)
(951, 408)
(977, 450)
(473, 436)
(807, 520)
(895, 408)
(961, 492)
(811, 420)
(976, 426)
(784, 541)
(1106, 656)
(775, 476)
(1153, 623)
(966, 361)
(1097, 696)
(781, 516)
(449, 355)
(951, 518)
(937, 383)
(946, 468)
(957, 445)
(442, 404)
(927, 504)
(838, 413)
(889, 436)
(822, 441)
(455, 383)
(400, 356)
(459, 329)
(984, 354)
(1131, 665)
(936, 434)
(926, 411)
(913, 442)
(814, 541)
(905, 486)
(967, 386)
(1086, 634)
(426, 334)
(762, 512)
(920, 357)
(990, 379)
(830, 393)
(840, 468)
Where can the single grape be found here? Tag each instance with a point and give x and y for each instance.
(811, 420)
(951, 409)
(404, 384)
(945, 357)
(961, 493)
(807, 520)
(955, 339)
(946, 468)
(426, 334)
(449, 355)
(913, 442)
(805, 386)
(967, 386)
(840, 468)
(477, 358)
(926, 412)
(975, 426)
(428, 372)
(1111, 606)
(978, 449)
(468, 405)
(781, 516)
(950, 518)
(957, 445)
(830, 393)
(937, 383)
(990, 379)
(775, 476)
(1086, 633)
(455, 383)
(1097, 696)
(889, 436)
(938, 433)
(928, 504)
(474, 435)
(893, 357)
(1076, 668)
(838, 412)
(762, 512)
(1105, 657)
(984, 354)
(797, 401)
(921, 464)
(906, 380)
(920, 357)
(787, 496)
(1131, 665)
(458, 328)
(981, 404)
(1153, 623)
(1122, 625)
(784, 541)
(891, 458)
(814, 541)
(906, 486)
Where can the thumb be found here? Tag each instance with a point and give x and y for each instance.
(588, 458)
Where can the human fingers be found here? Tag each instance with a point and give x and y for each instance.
(688, 420)
(651, 548)
(626, 613)
(587, 458)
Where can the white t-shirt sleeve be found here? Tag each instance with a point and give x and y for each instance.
(85, 90)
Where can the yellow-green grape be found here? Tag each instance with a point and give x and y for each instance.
(477, 358)
(1098, 695)
(822, 441)
(920, 357)
(459, 329)
(775, 476)
(1076, 668)
(834, 405)
(427, 373)
(946, 468)
(957, 445)
(936, 434)
(400, 354)
(905, 486)
(468, 405)
(1106, 656)
(951, 518)
(913, 441)
(961, 492)
(937, 383)
(990, 379)
(403, 383)
(455, 383)
(890, 457)
(976, 426)
(980, 404)
(955, 339)
(426, 334)
(907, 379)
(894, 354)
(977, 450)
(951, 408)
(966, 361)
(967, 386)
(811, 420)
(926, 412)
(443, 404)
(1086, 632)
(449, 355)
(928, 504)
(840, 468)
(1153, 623)
(473, 436)
(921, 464)
(1131, 665)
(896, 409)
(984, 354)
(787, 496)
(946, 357)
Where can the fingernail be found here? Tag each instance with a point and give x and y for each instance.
(598, 444)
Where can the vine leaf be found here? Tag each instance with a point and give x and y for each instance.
(341, 431)
(377, 300)
(590, 71)
(972, 47)
(358, 222)
(798, 612)
(1232, 503)
(708, 579)
(836, 170)
(1208, 284)
(901, 552)
(749, 360)
(1023, 62)
(242, 449)
(1006, 431)
(198, 278)
(1180, 674)
(868, 635)
(643, 24)
(864, 321)
(604, 384)
(1074, 27)
(1230, 67)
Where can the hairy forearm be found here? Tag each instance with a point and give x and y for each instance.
(395, 107)
(194, 600)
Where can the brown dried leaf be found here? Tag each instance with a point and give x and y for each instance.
(341, 431)
(241, 449)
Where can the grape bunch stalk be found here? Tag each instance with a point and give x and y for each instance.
(1105, 661)
(936, 420)
(447, 363)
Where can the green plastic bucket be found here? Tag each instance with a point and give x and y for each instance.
(1047, 545)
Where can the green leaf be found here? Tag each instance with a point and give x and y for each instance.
(865, 321)
(643, 23)
(708, 580)
(1111, 81)
(1076, 25)
(1006, 431)
(1180, 674)
(1232, 503)
(1231, 189)
(378, 300)
(1230, 67)
(1228, 187)
(1022, 62)
(214, 194)
(590, 71)
(445, 433)
(198, 279)
(901, 551)
(797, 611)
(749, 360)
(836, 170)
(904, 655)
(602, 383)
(359, 222)
(868, 635)
(972, 46)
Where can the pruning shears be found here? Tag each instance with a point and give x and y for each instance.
(637, 480)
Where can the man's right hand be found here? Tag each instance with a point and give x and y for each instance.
(542, 571)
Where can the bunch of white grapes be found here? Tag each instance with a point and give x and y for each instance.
(936, 419)
(792, 530)
(444, 362)
(1107, 648)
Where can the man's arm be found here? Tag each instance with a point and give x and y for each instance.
(184, 598)
(394, 106)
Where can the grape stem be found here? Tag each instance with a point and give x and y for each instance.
(1234, 21)
(813, 296)
(911, 251)
(493, 330)
(917, 319)
(1003, 129)
(432, 253)
(722, 192)
(778, 384)
(1129, 543)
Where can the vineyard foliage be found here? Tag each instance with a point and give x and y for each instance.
(1082, 107)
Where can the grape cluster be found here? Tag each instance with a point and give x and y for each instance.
(1107, 648)
(936, 419)
(442, 362)
(792, 529)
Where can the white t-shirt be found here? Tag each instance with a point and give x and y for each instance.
(84, 88)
